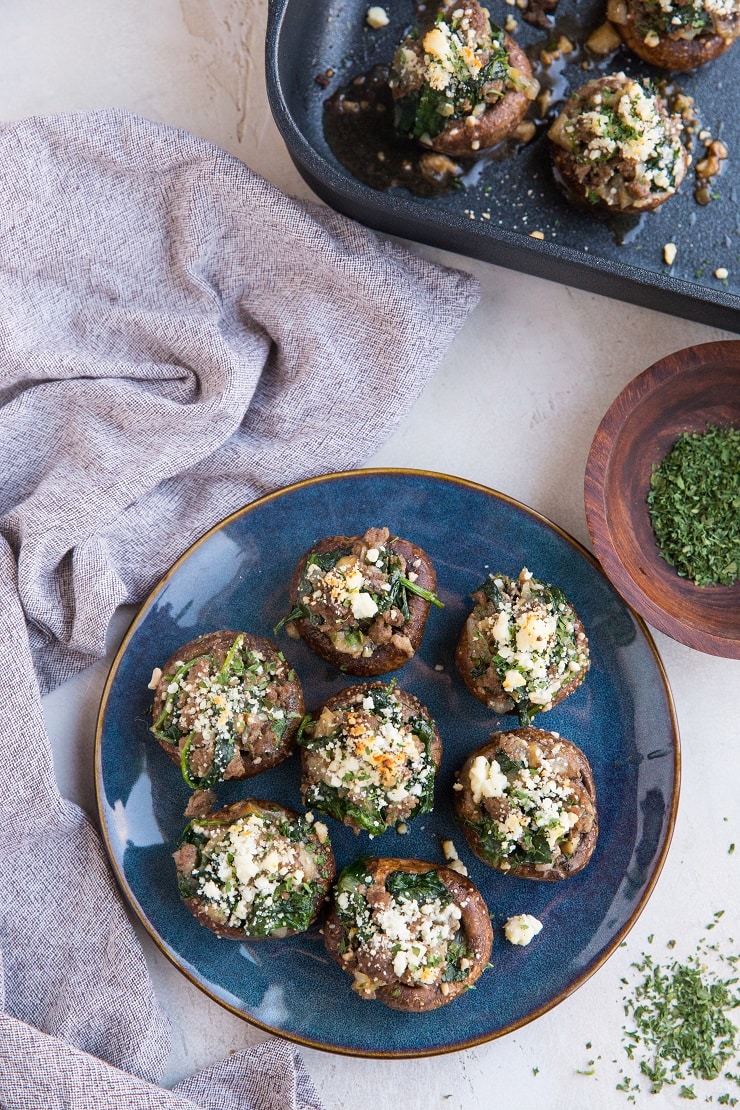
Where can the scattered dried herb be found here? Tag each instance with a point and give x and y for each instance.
(681, 1029)
(694, 504)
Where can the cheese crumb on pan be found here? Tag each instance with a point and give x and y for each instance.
(377, 17)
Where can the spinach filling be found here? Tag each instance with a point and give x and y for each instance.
(325, 560)
(240, 682)
(290, 905)
(422, 889)
(692, 15)
(352, 910)
(427, 110)
(532, 848)
(533, 845)
(360, 799)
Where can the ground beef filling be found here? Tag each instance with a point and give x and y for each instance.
(221, 706)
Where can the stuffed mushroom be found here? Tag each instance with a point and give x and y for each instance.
(676, 35)
(460, 84)
(523, 648)
(369, 757)
(361, 602)
(226, 706)
(527, 804)
(616, 147)
(411, 934)
(255, 869)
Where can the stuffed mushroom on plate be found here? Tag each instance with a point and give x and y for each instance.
(413, 935)
(527, 803)
(226, 706)
(369, 757)
(523, 648)
(255, 869)
(361, 602)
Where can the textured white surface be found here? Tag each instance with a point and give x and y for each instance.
(514, 406)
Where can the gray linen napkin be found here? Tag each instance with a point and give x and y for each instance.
(176, 338)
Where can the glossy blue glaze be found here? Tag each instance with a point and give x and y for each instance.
(621, 716)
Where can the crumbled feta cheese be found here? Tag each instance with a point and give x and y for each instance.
(522, 928)
(362, 604)
(513, 680)
(449, 849)
(486, 779)
(377, 17)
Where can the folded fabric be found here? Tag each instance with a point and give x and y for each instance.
(176, 338)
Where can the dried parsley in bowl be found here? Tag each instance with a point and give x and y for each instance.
(694, 505)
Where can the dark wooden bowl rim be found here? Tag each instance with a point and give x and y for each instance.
(682, 392)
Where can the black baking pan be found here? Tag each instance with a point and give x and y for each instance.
(315, 48)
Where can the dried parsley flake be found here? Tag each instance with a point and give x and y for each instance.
(681, 1029)
(694, 504)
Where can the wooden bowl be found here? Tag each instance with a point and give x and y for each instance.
(682, 393)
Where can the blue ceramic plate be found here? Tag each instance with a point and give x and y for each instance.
(622, 717)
